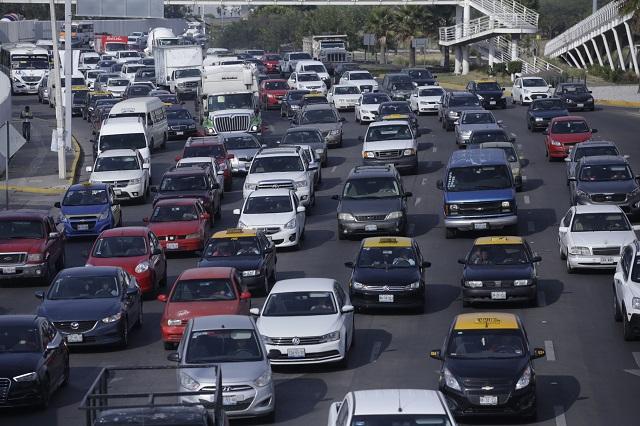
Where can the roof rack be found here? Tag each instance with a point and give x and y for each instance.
(364, 168)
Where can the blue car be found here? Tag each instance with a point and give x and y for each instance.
(87, 209)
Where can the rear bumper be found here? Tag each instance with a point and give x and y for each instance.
(513, 294)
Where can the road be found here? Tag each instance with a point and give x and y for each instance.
(582, 380)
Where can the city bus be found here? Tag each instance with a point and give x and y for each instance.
(25, 65)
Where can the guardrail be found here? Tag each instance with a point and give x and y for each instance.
(465, 31)
(504, 8)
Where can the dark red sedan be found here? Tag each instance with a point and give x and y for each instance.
(271, 62)
(210, 146)
(181, 224)
(563, 133)
(271, 92)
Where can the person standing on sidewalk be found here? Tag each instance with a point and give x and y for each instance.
(26, 115)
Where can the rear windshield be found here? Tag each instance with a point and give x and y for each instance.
(215, 151)
(481, 137)
(478, 178)
(567, 127)
(478, 118)
(123, 141)
(595, 150)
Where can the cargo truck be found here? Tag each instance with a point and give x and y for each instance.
(329, 49)
(178, 68)
(110, 43)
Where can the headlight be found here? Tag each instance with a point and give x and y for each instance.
(34, 257)
(250, 186)
(345, 216)
(331, 337)
(266, 339)
(174, 322)
(142, 267)
(524, 380)
(135, 181)
(521, 283)
(473, 284)
(188, 382)
(453, 114)
(104, 215)
(555, 143)
(112, 318)
(635, 303)
(357, 286)
(506, 204)
(539, 119)
(369, 154)
(335, 132)
(254, 128)
(480, 97)
(450, 381)
(251, 273)
(394, 215)
(580, 251)
(191, 236)
(451, 209)
(210, 130)
(414, 286)
(181, 84)
(409, 151)
(300, 184)
(27, 377)
(264, 380)
(291, 224)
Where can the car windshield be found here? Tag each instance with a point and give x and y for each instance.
(346, 90)
(118, 83)
(599, 222)
(19, 339)
(360, 76)
(605, 172)
(272, 57)
(110, 164)
(464, 101)
(478, 178)
(400, 420)
(274, 204)
(498, 254)
(276, 85)
(227, 247)
(287, 163)
(93, 73)
(486, 344)
(308, 77)
(138, 90)
(388, 133)
(184, 183)
(179, 114)
(402, 108)
(594, 150)
(21, 229)
(315, 68)
(402, 85)
(241, 142)
(131, 68)
(574, 89)
(212, 150)
(296, 96)
(375, 99)
(488, 136)
(489, 86)
(123, 141)
(183, 213)
(387, 257)
(193, 72)
(84, 287)
(430, 92)
(120, 247)
(570, 126)
(547, 104)
(534, 82)
(223, 345)
(230, 101)
(206, 289)
(300, 303)
(478, 118)
(85, 197)
(371, 188)
(319, 116)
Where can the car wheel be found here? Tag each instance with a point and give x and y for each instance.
(562, 255)
(513, 100)
(450, 233)
(168, 346)
(140, 319)
(124, 334)
(570, 269)
(45, 393)
(265, 286)
(341, 235)
(617, 312)
(627, 331)
(356, 119)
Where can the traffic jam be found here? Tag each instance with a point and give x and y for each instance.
(234, 307)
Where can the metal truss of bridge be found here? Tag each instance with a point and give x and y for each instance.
(604, 38)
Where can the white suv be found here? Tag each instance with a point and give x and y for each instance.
(276, 212)
(396, 406)
(626, 291)
(123, 169)
(281, 168)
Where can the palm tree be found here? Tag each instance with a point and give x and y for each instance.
(380, 23)
(408, 23)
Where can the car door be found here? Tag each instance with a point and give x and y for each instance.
(269, 252)
(517, 85)
(243, 304)
(563, 237)
(144, 171)
(621, 276)
(346, 319)
(215, 191)
(130, 301)
(330, 95)
(157, 261)
(300, 216)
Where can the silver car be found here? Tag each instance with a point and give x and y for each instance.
(471, 120)
(323, 117)
(310, 136)
(233, 343)
(243, 146)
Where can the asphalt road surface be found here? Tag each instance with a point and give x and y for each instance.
(589, 376)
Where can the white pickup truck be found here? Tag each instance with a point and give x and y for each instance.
(289, 61)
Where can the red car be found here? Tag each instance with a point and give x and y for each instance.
(210, 146)
(137, 250)
(271, 93)
(200, 292)
(563, 133)
(271, 62)
(180, 224)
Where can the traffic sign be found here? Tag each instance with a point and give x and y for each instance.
(419, 43)
(369, 40)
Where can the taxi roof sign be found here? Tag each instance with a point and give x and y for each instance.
(387, 242)
(498, 240)
(235, 233)
(486, 320)
(394, 116)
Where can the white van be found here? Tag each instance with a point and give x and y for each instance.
(152, 112)
(318, 67)
(88, 61)
(77, 82)
(124, 133)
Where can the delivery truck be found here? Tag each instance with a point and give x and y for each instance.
(178, 68)
(110, 43)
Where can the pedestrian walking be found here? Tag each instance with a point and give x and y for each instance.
(26, 115)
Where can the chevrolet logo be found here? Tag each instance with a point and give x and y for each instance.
(487, 388)
(226, 389)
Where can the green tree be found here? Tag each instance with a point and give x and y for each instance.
(408, 22)
(380, 23)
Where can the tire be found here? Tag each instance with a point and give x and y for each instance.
(124, 334)
(140, 319)
(562, 255)
(341, 236)
(617, 312)
(513, 101)
(570, 269)
(521, 102)
(45, 393)
(450, 233)
(627, 332)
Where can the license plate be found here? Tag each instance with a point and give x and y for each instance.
(229, 400)
(489, 400)
(498, 295)
(492, 102)
(179, 133)
(295, 353)
(580, 105)
(607, 260)
(371, 227)
(385, 298)
(172, 246)
(480, 225)
(83, 227)
(9, 270)
(279, 102)
(74, 338)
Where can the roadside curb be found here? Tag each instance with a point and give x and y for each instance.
(75, 166)
(627, 104)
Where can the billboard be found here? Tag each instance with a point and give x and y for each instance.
(121, 8)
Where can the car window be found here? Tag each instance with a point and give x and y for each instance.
(343, 414)
(340, 296)
(626, 261)
(566, 220)
(498, 254)
(387, 257)
(570, 126)
(478, 118)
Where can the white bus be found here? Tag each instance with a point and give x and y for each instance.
(25, 65)
(82, 33)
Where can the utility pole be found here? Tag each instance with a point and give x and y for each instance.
(595, 6)
(68, 70)
(62, 164)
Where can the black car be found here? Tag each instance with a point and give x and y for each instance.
(180, 122)
(310, 136)
(136, 91)
(388, 273)
(96, 305)
(499, 269)
(34, 361)
(487, 366)
(398, 86)
(145, 74)
(575, 96)
(342, 68)
(251, 253)
(373, 202)
(588, 149)
(291, 102)
(453, 103)
(78, 101)
(421, 76)
(149, 62)
(90, 103)
(490, 94)
(541, 111)
(398, 110)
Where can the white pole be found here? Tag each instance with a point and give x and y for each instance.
(62, 164)
(68, 70)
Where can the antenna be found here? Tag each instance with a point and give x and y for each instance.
(399, 403)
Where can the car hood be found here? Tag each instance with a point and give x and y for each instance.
(311, 84)
(266, 219)
(243, 153)
(497, 272)
(370, 207)
(175, 228)
(363, 83)
(571, 137)
(84, 210)
(262, 177)
(474, 127)
(241, 263)
(127, 263)
(475, 196)
(298, 326)
(21, 245)
(385, 145)
(370, 107)
(459, 109)
(30, 73)
(186, 79)
(617, 186)
(549, 113)
(15, 364)
(187, 310)
(116, 175)
(489, 369)
(602, 238)
(180, 194)
(232, 372)
(79, 309)
(324, 127)
(390, 277)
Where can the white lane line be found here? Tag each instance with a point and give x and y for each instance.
(531, 226)
(375, 351)
(636, 358)
(424, 181)
(548, 348)
(559, 413)
(542, 299)
(527, 199)
(411, 228)
(333, 169)
(435, 149)
(418, 200)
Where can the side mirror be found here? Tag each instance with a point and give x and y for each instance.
(39, 294)
(567, 159)
(236, 212)
(178, 158)
(408, 194)
(301, 209)
(153, 188)
(626, 157)
(220, 172)
(131, 291)
(536, 259)
(594, 131)
(512, 137)
(563, 230)
(245, 295)
(57, 205)
(146, 166)
(254, 311)
(436, 354)
(538, 353)
(462, 261)
(54, 235)
(503, 89)
(156, 251)
(335, 197)
(145, 219)
(572, 179)
(440, 185)
(89, 169)
(205, 216)
(174, 356)
(499, 122)
(162, 297)
(347, 308)
(456, 122)
(415, 95)
(426, 264)
(349, 264)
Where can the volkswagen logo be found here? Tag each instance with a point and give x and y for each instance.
(7, 258)
(295, 340)
(608, 197)
(75, 325)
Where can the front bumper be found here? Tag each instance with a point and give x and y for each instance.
(129, 192)
(239, 165)
(480, 223)
(345, 105)
(407, 162)
(24, 271)
(510, 402)
(101, 334)
(181, 245)
(76, 110)
(399, 299)
(22, 394)
(513, 294)
(368, 116)
(530, 97)
(30, 88)
(382, 227)
(494, 103)
(592, 262)
(242, 400)
(171, 334)
(556, 151)
(185, 133)
(579, 106)
(71, 228)
(284, 238)
(428, 107)
(144, 280)
(313, 354)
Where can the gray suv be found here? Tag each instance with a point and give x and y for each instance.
(323, 117)
(453, 103)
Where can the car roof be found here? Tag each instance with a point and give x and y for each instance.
(207, 272)
(569, 118)
(270, 192)
(486, 320)
(203, 140)
(277, 151)
(476, 111)
(604, 159)
(235, 233)
(196, 160)
(484, 81)
(24, 320)
(391, 122)
(387, 242)
(597, 208)
(89, 271)
(393, 102)
(222, 321)
(186, 201)
(486, 145)
(185, 171)
(366, 171)
(127, 231)
(24, 214)
(406, 401)
(313, 107)
(477, 157)
(484, 241)
(302, 129)
(303, 284)
(88, 185)
(117, 153)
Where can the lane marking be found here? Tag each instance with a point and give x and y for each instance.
(520, 146)
(542, 299)
(524, 178)
(375, 351)
(527, 199)
(435, 149)
(418, 200)
(551, 353)
(333, 169)
(411, 228)
(559, 413)
(636, 358)
(424, 181)
(531, 226)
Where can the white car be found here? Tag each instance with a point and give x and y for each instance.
(395, 406)
(626, 291)
(366, 110)
(590, 236)
(209, 161)
(343, 96)
(391, 142)
(123, 169)
(91, 76)
(276, 212)
(360, 78)
(129, 71)
(116, 86)
(318, 67)
(124, 56)
(307, 81)
(426, 99)
(526, 89)
(307, 321)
